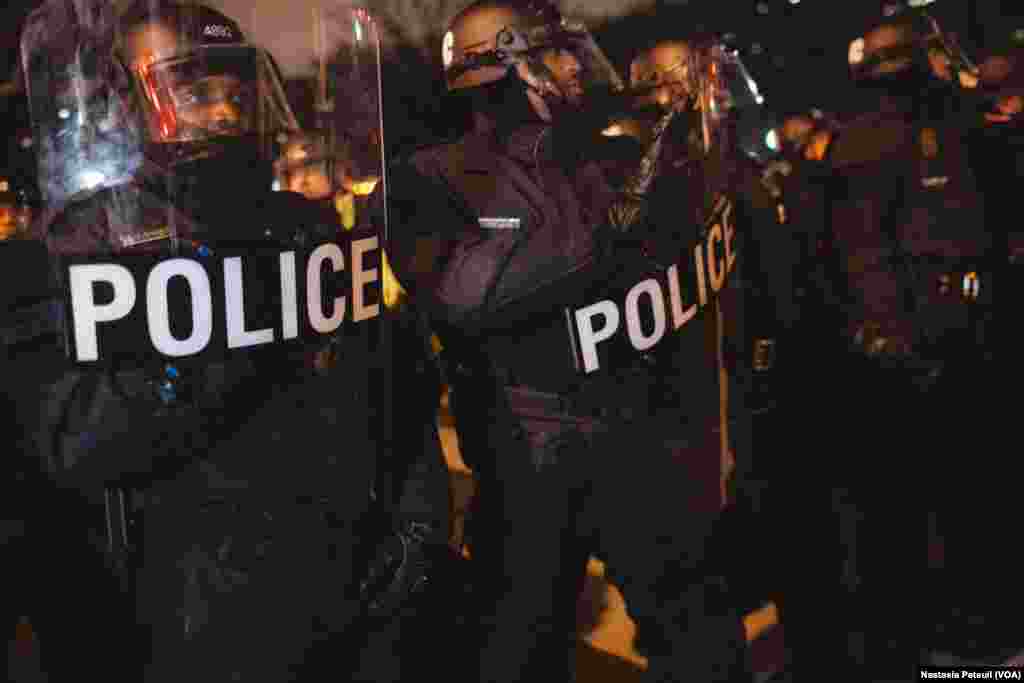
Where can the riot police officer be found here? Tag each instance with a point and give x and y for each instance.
(522, 233)
(904, 231)
(974, 620)
(230, 459)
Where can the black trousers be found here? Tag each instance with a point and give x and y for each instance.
(842, 518)
(556, 488)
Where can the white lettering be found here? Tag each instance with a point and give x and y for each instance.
(158, 311)
(589, 337)
(217, 31)
(730, 237)
(652, 289)
(702, 288)
(361, 278)
(679, 316)
(289, 297)
(716, 269)
(234, 301)
(87, 313)
(321, 322)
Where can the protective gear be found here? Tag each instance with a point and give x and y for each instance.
(904, 271)
(1002, 88)
(519, 246)
(907, 50)
(553, 57)
(902, 214)
(228, 334)
(198, 81)
(667, 72)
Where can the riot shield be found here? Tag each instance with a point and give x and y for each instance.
(157, 133)
(339, 149)
(223, 334)
(680, 308)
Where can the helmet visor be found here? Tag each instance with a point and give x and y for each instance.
(211, 92)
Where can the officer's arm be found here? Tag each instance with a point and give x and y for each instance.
(455, 269)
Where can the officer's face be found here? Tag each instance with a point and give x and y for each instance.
(212, 104)
(666, 68)
(310, 181)
(884, 38)
(304, 175)
(566, 69)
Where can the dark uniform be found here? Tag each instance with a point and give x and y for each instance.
(975, 618)
(517, 243)
(907, 242)
(231, 483)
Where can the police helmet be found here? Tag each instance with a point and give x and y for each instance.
(556, 58)
(199, 82)
(909, 46)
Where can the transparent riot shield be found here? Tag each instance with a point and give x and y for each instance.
(333, 80)
(161, 132)
(223, 332)
(734, 125)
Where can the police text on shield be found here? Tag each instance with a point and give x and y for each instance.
(713, 259)
(227, 307)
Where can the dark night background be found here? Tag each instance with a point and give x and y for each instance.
(797, 52)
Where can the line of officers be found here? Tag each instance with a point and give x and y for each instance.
(826, 424)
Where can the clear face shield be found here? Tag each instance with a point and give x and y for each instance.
(97, 117)
(665, 77)
(88, 134)
(209, 92)
(337, 154)
(733, 107)
(893, 49)
(569, 60)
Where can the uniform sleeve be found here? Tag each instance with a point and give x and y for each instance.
(455, 269)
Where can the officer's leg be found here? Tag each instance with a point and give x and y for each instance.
(657, 512)
(527, 552)
(810, 588)
(885, 444)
